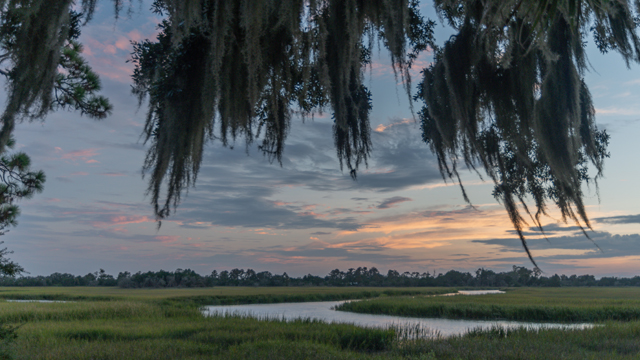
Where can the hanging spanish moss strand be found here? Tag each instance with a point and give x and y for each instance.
(506, 93)
(246, 66)
(36, 38)
(36, 56)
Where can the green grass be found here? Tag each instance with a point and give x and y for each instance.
(613, 340)
(143, 330)
(522, 304)
(150, 324)
(212, 296)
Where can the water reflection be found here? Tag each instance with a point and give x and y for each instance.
(323, 311)
(472, 292)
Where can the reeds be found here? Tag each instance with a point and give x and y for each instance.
(222, 295)
(565, 305)
(152, 328)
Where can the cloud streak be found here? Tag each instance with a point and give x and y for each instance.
(622, 219)
(392, 202)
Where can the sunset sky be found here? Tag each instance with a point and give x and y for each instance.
(306, 216)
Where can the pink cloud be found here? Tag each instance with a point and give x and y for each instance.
(78, 154)
(287, 260)
(135, 219)
(122, 220)
(113, 174)
(382, 127)
(123, 44)
(110, 49)
(378, 69)
(112, 64)
(135, 35)
(80, 173)
(167, 239)
(281, 203)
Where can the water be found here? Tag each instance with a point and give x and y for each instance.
(472, 292)
(323, 311)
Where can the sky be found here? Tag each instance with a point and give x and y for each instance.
(305, 216)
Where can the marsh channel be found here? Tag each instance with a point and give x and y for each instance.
(429, 326)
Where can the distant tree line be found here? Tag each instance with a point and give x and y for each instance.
(362, 276)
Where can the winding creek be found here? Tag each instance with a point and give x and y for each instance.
(324, 311)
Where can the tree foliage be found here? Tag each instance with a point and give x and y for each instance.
(41, 61)
(44, 69)
(17, 182)
(507, 93)
(352, 277)
(248, 65)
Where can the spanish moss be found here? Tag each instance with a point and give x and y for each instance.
(506, 93)
(230, 69)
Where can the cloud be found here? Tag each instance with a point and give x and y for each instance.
(64, 179)
(78, 154)
(167, 239)
(400, 160)
(99, 215)
(381, 128)
(318, 251)
(416, 240)
(391, 202)
(628, 111)
(616, 125)
(579, 247)
(108, 44)
(382, 68)
(623, 219)
(240, 189)
(444, 224)
(216, 208)
(136, 219)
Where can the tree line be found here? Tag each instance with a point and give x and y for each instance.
(361, 276)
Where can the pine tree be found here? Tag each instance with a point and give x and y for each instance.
(40, 58)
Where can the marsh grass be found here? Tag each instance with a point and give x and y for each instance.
(522, 304)
(230, 295)
(154, 335)
(148, 327)
(613, 340)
